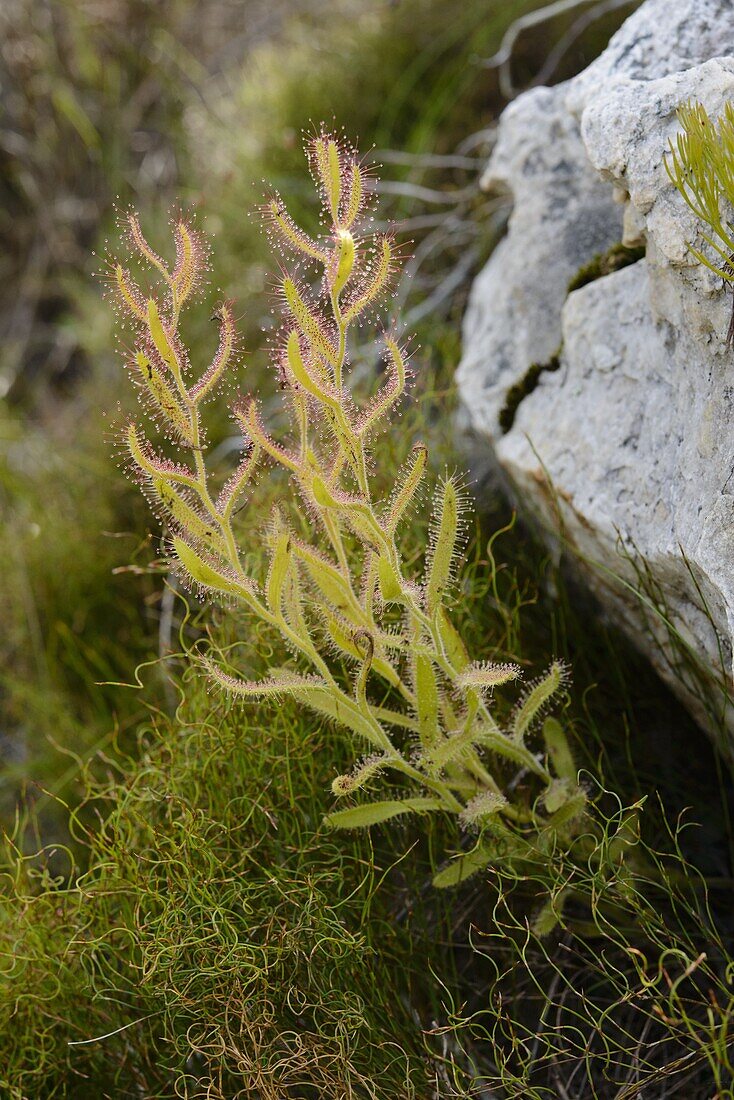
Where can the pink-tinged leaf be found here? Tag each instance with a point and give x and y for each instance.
(190, 260)
(223, 358)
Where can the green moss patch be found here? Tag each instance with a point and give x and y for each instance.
(517, 393)
(604, 263)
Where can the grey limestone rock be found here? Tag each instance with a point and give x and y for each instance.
(626, 452)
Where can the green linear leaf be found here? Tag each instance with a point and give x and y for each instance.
(359, 817)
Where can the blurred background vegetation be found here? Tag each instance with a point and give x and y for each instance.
(248, 963)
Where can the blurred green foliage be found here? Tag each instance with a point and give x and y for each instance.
(70, 623)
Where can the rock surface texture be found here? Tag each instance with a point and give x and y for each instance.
(624, 448)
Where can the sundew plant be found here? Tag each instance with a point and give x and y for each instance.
(700, 162)
(369, 633)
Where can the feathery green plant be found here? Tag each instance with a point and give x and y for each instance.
(372, 641)
(701, 165)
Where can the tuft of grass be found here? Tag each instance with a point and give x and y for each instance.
(242, 951)
(700, 164)
(637, 998)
